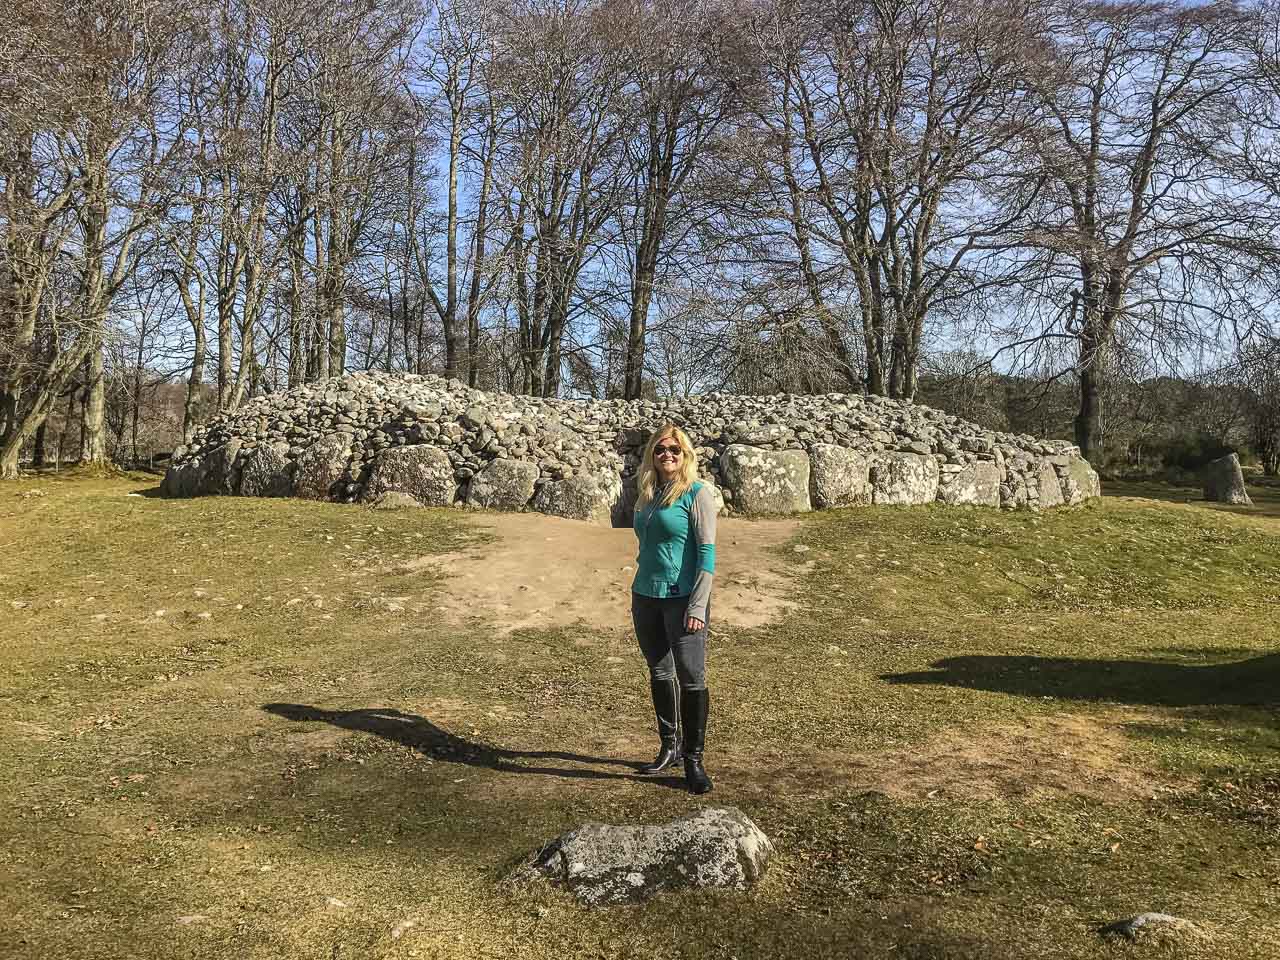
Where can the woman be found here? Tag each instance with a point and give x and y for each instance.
(675, 522)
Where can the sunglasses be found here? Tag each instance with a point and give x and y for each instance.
(661, 449)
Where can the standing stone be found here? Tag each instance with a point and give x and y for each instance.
(1224, 481)
(766, 481)
(839, 477)
(503, 485)
(602, 864)
(321, 466)
(591, 498)
(266, 473)
(424, 472)
(904, 479)
(975, 483)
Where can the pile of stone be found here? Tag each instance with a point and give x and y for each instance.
(365, 436)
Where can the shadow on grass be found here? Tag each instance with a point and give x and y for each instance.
(420, 734)
(1254, 682)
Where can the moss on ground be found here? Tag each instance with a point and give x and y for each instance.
(240, 728)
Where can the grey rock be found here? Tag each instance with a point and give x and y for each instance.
(321, 466)
(1079, 482)
(1224, 481)
(838, 476)
(976, 484)
(503, 485)
(182, 479)
(1154, 926)
(424, 472)
(395, 500)
(904, 479)
(266, 473)
(766, 481)
(219, 475)
(591, 498)
(1049, 488)
(602, 864)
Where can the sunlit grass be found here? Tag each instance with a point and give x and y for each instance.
(239, 728)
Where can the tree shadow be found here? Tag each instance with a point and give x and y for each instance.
(420, 734)
(1245, 683)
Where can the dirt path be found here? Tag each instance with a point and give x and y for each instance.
(545, 571)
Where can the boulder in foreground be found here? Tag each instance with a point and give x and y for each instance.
(1152, 927)
(602, 864)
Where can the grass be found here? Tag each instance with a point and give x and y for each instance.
(239, 728)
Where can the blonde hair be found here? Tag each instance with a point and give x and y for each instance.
(647, 478)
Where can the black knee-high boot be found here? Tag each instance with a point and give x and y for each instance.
(665, 706)
(693, 708)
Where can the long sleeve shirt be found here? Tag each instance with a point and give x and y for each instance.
(677, 556)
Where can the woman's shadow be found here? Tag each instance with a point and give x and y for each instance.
(420, 734)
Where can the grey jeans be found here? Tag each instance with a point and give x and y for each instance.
(668, 648)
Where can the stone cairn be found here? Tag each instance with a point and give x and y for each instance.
(381, 438)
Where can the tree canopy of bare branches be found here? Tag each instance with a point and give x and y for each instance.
(625, 197)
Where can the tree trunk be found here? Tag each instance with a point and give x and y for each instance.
(194, 383)
(93, 445)
(1088, 419)
(38, 446)
(224, 352)
(8, 413)
(641, 294)
(45, 392)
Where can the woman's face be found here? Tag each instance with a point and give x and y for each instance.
(668, 458)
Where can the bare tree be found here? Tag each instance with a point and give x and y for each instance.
(457, 69)
(893, 121)
(560, 83)
(99, 152)
(683, 76)
(1141, 229)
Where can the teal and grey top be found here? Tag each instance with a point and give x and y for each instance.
(677, 548)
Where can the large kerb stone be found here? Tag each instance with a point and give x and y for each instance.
(1050, 489)
(766, 481)
(838, 477)
(976, 484)
(503, 485)
(904, 479)
(594, 499)
(1079, 482)
(322, 466)
(266, 473)
(602, 864)
(424, 472)
(183, 479)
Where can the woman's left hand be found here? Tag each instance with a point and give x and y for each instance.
(693, 624)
